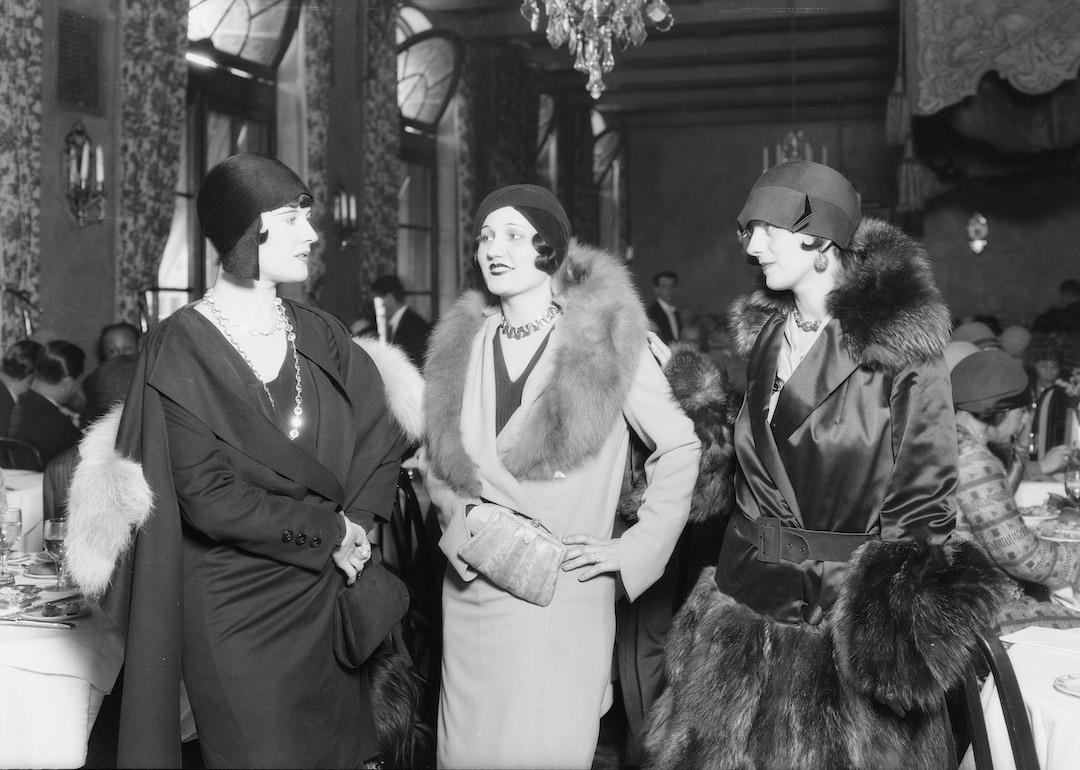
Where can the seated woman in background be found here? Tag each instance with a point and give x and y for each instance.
(41, 415)
(990, 392)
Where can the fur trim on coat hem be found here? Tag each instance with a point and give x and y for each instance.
(864, 689)
(103, 480)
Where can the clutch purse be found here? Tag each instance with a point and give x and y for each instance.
(367, 611)
(518, 554)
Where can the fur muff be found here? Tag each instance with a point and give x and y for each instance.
(890, 310)
(599, 340)
(744, 691)
(106, 481)
(701, 391)
(403, 384)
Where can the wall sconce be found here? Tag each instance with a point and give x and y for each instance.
(85, 194)
(345, 217)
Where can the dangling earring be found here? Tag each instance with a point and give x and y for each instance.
(821, 262)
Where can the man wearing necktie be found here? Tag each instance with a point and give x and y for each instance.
(663, 315)
(404, 326)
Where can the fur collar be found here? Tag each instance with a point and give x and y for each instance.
(402, 383)
(889, 308)
(596, 348)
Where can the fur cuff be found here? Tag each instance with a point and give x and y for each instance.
(403, 385)
(109, 501)
(905, 622)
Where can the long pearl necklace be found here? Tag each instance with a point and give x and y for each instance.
(225, 323)
(520, 332)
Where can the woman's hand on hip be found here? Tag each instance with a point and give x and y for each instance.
(354, 551)
(593, 555)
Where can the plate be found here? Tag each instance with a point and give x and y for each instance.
(38, 613)
(1034, 519)
(18, 557)
(41, 569)
(1068, 684)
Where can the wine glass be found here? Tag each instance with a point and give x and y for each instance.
(10, 529)
(1072, 485)
(53, 534)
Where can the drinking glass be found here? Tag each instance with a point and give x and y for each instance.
(1072, 485)
(53, 535)
(10, 529)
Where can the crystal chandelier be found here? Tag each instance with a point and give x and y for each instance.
(588, 27)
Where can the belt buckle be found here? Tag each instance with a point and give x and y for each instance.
(768, 540)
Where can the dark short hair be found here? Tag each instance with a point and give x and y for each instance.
(119, 326)
(664, 274)
(59, 359)
(388, 284)
(20, 359)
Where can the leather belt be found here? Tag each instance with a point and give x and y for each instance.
(776, 543)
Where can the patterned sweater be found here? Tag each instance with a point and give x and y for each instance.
(988, 515)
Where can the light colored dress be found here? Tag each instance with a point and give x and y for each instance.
(523, 685)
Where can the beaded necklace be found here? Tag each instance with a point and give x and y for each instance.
(806, 326)
(224, 323)
(520, 332)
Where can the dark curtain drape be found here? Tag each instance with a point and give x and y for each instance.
(515, 107)
(153, 87)
(20, 161)
(577, 187)
(317, 26)
(464, 114)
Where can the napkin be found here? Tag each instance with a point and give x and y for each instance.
(1056, 639)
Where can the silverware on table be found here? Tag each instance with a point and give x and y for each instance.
(35, 622)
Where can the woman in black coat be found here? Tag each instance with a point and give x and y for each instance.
(265, 438)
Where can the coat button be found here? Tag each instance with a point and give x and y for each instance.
(286, 535)
(316, 541)
(301, 538)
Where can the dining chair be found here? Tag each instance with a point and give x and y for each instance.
(16, 454)
(993, 659)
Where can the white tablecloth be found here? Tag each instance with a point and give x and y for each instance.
(52, 683)
(1039, 655)
(23, 490)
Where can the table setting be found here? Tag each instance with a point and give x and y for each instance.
(59, 654)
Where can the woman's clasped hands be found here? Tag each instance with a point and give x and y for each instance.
(354, 551)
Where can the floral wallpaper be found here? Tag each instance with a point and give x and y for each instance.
(382, 173)
(464, 114)
(317, 27)
(153, 90)
(21, 23)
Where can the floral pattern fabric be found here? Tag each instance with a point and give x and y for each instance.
(21, 49)
(317, 27)
(153, 90)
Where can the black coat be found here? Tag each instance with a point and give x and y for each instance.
(659, 319)
(38, 420)
(411, 335)
(232, 575)
(7, 405)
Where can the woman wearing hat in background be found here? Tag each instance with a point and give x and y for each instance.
(265, 441)
(531, 393)
(844, 484)
(990, 390)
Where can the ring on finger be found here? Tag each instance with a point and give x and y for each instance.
(595, 557)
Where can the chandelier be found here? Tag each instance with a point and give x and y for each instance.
(588, 27)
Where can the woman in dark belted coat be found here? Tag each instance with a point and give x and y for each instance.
(846, 466)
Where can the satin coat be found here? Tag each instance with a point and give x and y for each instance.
(220, 581)
(849, 449)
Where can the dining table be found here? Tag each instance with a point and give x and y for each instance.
(23, 489)
(52, 680)
(1045, 661)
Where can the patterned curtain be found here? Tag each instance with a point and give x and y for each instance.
(153, 88)
(382, 173)
(515, 109)
(468, 195)
(317, 28)
(20, 161)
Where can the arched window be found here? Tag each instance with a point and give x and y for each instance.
(234, 49)
(429, 63)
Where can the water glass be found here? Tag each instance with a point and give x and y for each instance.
(10, 530)
(1072, 485)
(53, 536)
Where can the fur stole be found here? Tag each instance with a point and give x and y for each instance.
(890, 310)
(864, 689)
(701, 391)
(110, 499)
(596, 349)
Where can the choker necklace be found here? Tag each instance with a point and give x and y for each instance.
(520, 332)
(224, 322)
(806, 326)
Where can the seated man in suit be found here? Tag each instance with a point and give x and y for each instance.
(41, 415)
(404, 326)
(663, 315)
(16, 375)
